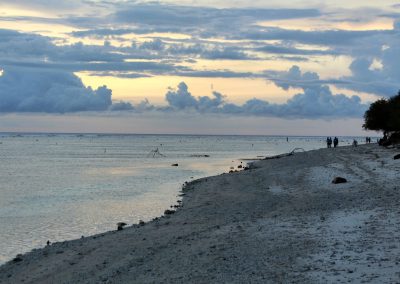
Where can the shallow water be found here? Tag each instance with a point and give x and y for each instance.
(60, 187)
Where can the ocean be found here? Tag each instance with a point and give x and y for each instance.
(63, 186)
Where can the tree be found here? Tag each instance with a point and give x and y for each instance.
(383, 115)
(394, 114)
(375, 118)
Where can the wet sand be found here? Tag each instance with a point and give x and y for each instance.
(282, 221)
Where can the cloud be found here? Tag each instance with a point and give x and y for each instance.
(181, 98)
(293, 78)
(215, 74)
(279, 49)
(209, 33)
(110, 32)
(315, 102)
(131, 75)
(43, 4)
(158, 14)
(105, 32)
(35, 51)
(228, 53)
(121, 106)
(317, 37)
(381, 81)
(22, 45)
(26, 90)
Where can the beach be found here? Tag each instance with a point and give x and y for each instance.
(281, 221)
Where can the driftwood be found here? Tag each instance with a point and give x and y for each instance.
(155, 153)
(284, 154)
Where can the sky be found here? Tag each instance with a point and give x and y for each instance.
(287, 67)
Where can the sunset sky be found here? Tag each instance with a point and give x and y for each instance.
(198, 67)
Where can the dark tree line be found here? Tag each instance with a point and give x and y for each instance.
(384, 115)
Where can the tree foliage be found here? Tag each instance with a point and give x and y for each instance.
(383, 115)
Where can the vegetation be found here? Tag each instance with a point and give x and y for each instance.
(384, 115)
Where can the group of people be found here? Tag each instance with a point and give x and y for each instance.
(329, 142)
(335, 141)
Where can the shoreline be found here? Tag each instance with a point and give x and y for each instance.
(281, 220)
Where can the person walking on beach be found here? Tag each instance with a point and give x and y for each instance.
(335, 142)
(329, 142)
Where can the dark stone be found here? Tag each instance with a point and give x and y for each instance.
(18, 258)
(141, 223)
(337, 180)
(240, 166)
(396, 157)
(174, 165)
(120, 226)
(169, 212)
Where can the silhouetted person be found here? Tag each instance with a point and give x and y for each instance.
(335, 142)
(383, 141)
(329, 142)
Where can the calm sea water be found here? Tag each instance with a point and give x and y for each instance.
(60, 187)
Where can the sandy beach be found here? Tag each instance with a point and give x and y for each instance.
(282, 221)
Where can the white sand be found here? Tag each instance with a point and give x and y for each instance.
(281, 222)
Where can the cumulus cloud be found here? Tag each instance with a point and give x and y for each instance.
(312, 103)
(381, 81)
(121, 106)
(181, 98)
(27, 90)
(315, 102)
(293, 78)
